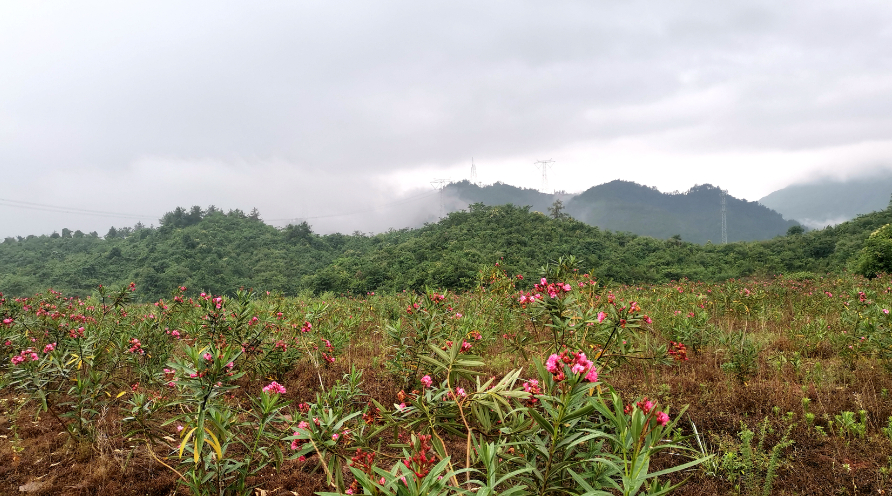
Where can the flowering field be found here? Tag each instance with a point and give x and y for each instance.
(564, 386)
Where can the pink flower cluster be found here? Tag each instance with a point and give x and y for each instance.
(302, 426)
(553, 289)
(532, 386)
(50, 347)
(136, 347)
(678, 351)
(647, 407)
(426, 381)
(578, 363)
(275, 388)
(527, 298)
(24, 356)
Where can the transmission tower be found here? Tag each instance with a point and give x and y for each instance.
(724, 219)
(473, 172)
(440, 185)
(543, 165)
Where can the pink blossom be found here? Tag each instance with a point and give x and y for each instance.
(401, 406)
(179, 428)
(303, 424)
(461, 392)
(208, 357)
(662, 418)
(552, 364)
(50, 347)
(592, 375)
(601, 317)
(275, 387)
(426, 381)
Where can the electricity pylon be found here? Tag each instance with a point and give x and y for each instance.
(543, 165)
(440, 185)
(724, 219)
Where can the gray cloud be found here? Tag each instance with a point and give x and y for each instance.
(228, 103)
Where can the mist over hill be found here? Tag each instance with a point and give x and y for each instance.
(830, 201)
(626, 206)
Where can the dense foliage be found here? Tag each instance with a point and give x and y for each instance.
(222, 252)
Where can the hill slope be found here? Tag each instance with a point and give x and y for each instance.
(695, 215)
(219, 253)
(626, 206)
(829, 202)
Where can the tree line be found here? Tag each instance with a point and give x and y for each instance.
(215, 251)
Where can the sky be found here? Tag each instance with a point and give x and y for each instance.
(342, 113)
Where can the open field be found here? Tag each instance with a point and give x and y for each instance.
(564, 388)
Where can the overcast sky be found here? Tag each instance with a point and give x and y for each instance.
(311, 109)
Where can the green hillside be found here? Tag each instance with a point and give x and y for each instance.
(220, 252)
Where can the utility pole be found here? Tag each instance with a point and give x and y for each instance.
(440, 185)
(724, 219)
(543, 165)
(473, 172)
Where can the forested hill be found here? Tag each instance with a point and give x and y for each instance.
(625, 206)
(220, 252)
(695, 215)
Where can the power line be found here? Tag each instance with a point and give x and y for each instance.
(100, 213)
(68, 210)
(356, 212)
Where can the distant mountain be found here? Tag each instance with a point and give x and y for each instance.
(695, 215)
(626, 206)
(830, 202)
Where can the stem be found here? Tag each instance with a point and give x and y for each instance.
(152, 453)
(322, 461)
(557, 431)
